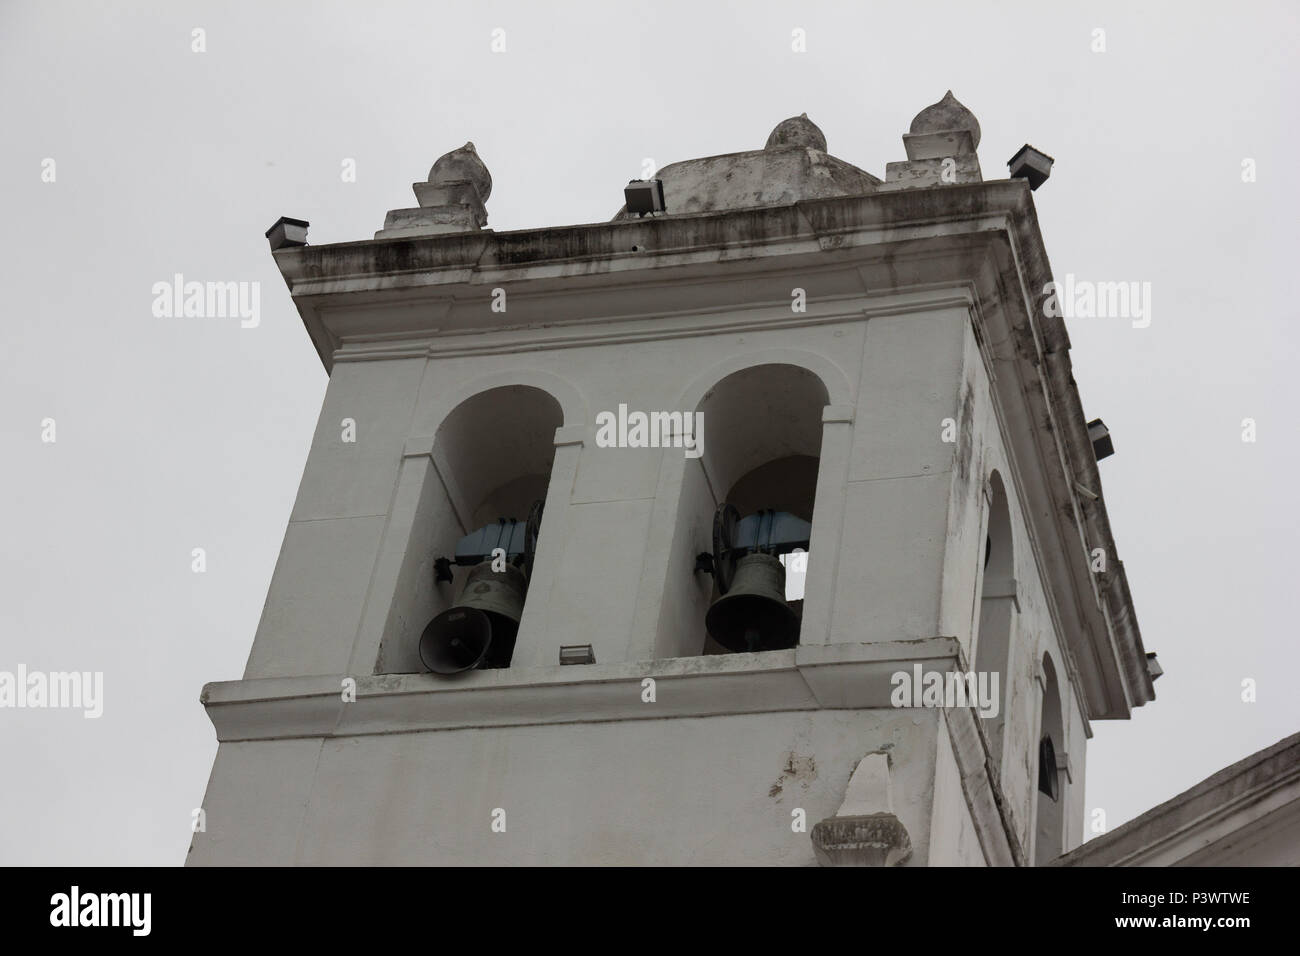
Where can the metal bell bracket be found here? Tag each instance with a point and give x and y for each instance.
(518, 539)
(771, 532)
(766, 532)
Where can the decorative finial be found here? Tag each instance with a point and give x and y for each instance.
(947, 114)
(462, 165)
(797, 131)
(451, 200)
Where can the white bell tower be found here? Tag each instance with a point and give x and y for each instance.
(791, 336)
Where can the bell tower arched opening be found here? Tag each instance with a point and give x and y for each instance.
(762, 427)
(491, 466)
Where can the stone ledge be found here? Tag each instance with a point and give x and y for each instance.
(814, 677)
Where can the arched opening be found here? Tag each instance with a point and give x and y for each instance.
(497, 448)
(762, 443)
(1049, 831)
(491, 460)
(997, 610)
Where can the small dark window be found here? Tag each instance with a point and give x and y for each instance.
(1048, 778)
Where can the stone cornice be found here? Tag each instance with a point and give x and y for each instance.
(813, 677)
(640, 328)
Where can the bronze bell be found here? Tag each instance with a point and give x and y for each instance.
(479, 630)
(753, 614)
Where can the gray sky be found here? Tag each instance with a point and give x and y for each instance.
(174, 434)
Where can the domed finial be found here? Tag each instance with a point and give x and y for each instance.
(947, 114)
(462, 165)
(797, 131)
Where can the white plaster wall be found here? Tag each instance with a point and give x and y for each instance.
(953, 840)
(696, 791)
(314, 605)
(685, 596)
(1076, 810)
(888, 582)
(313, 609)
(968, 508)
(350, 479)
(1032, 629)
(255, 803)
(1020, 753)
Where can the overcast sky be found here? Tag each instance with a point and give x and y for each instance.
(174, 434)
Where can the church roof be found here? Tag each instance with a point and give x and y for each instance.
(1227, 819)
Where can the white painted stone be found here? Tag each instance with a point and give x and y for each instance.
(318, 590)
(868, 790)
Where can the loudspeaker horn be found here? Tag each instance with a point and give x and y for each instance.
(479, 630)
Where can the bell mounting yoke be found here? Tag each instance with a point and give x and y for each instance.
(764, 532)
(518, 539)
